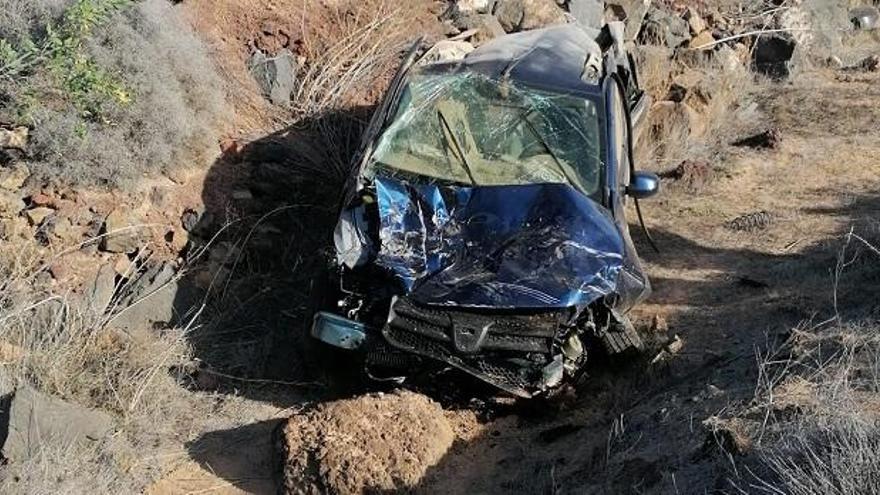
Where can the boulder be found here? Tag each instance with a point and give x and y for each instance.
(664, 28)
(275, 75)
(177, 239)
(522, 15)
(35, 419)
(695, 88)
(36, 215)
(541, 13)
(473, 6)
(673, 122)
(390, 442)
(11, 204)
(702, 41)
(772, 53)
(13, 178)
(484, 27)
(695, 21)
(631, 12)
(509, 14)
(588, 13)
(122, 233)
(148, 300)
(15, 138)
(447, 50)
(100, 291)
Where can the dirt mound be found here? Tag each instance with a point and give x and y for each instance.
(371, 443)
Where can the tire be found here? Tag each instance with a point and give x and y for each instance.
(621, 337)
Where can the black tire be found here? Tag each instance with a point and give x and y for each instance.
(621, 337)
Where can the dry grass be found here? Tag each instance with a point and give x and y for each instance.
(818, 404)
(57, 467)
(370, 36)
(59, 342)
(347, 68)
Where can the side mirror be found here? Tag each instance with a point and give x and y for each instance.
(643, 185)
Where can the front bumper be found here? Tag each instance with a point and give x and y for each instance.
(518, 353)
(512, 352)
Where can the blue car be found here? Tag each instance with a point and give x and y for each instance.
(483, 226)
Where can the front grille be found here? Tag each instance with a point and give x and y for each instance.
(494, 348)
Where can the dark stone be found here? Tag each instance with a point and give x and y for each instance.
(772, 55)
(275, 75)
(769, 139)
(677, 93)
(589, 13)
(664, 28)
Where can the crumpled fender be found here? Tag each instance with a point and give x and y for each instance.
(518, 246)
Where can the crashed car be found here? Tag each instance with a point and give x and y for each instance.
(483, 226)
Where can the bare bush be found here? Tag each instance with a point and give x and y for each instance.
(169, 116)
(20, 20)
(837, 456)
(831, 378)
(347, 71)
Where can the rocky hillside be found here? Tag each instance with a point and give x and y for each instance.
(169, 174)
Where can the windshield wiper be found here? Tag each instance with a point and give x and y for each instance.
(540, 137)
(462, 159)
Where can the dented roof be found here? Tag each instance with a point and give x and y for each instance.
(565, 57)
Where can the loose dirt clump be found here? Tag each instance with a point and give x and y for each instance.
(369, 443)
(769, 139)
(693, 175)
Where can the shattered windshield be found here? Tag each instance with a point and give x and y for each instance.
(469, 129)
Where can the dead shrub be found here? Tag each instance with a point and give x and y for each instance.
(364, 45)
(20, 20)
(168, 115)
(829, 445)
(56, 467)
(346, 70)
(59, 343)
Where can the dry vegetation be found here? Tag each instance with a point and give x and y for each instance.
(815, 414)
(131, 92)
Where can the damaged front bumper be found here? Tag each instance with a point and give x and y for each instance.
(522, 354)
(516, 353)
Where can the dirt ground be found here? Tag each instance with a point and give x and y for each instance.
(726, 294)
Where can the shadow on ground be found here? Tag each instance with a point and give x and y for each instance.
(259, 256)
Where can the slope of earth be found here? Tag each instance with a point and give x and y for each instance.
(725, 293)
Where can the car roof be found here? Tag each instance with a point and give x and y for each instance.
(559, 57)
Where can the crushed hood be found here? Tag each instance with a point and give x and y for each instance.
(522, 246)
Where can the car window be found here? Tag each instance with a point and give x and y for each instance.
(468, 129)
(621, 137)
